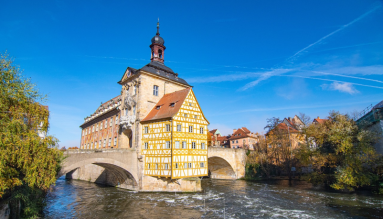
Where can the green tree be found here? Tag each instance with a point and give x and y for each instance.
(26, 160)
(343, 156)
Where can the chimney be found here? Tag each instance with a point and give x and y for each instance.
(234, 130)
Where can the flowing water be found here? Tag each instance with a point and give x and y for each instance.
(220, 199)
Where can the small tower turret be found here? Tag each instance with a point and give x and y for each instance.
(157, 47)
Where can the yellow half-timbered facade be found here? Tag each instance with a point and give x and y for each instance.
(174, 137)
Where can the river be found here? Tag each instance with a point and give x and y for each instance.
(220, 199)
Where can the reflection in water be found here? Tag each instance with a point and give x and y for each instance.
(220, 198)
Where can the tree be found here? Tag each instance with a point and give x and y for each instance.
(344, 155)
(26, 160)
(305, 118)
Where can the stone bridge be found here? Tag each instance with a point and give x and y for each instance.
(226, 163)
(124, 168)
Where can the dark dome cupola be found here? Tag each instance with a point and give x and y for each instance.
(157, 46)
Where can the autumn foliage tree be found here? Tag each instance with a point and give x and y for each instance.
(341, 154)
(25, 158)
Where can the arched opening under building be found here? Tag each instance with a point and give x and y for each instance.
(219, 168)
(105, 174)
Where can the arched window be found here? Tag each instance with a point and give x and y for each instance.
(160, 53)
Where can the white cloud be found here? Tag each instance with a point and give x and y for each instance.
(342, 87)
(359, 70)
(221, 78)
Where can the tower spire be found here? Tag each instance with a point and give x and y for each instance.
(157, 47)
(158, 27)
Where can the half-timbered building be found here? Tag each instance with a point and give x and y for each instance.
(156, 114)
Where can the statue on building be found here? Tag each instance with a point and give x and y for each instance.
(126, 120)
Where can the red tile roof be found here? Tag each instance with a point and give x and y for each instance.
(241, 133)
(212, 132)
(284, 128)
(165, 109)
(245, 129)
(320, 121)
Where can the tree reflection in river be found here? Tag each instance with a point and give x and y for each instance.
(235, 199)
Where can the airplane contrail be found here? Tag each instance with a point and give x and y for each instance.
(334, 32)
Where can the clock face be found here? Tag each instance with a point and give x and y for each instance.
(129, 73)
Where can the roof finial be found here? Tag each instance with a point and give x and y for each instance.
(158, 27)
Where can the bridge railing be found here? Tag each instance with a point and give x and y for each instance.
(79, 151)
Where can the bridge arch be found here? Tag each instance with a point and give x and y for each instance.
(226, 163)
(114, 173)
(220, 168)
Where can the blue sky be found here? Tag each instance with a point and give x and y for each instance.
(247, 60)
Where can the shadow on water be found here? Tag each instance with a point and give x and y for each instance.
(232, 198)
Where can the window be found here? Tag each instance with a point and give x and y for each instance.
(115, 141)
(186, 115)
(178, 127)
(158, 107)
(104, 142)
(184, 145)
(156, 166)
(99, 144)
(190, 128)
(166, 166)
(201, 130)
(202, 145)
(155, 90)
(236, 141)
(116, 122)
(146, 130)
(177, 146)
(97, 128)
(111, 121)
(193, 145)
(176, 165)
(148, 165)
(202, 164)
(167, 127)
(88, 146)
(134, 90)
(172, 104)
(244, 140)
(190, 104)
(160, 53)
(110, 142)
(134, 110)
(167, 145)
(190, 165)
(106, 123)
(100, 125)
(233, 142)
(146, 145)
(92, 128)
(91, 145)
(195, 116)
(269, 145)
(185, 165)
